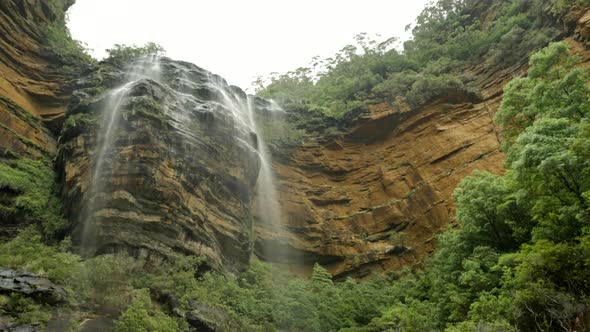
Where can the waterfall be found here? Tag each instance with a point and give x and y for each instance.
(193, 97)
(267, 205)
(147, 67)
(268, 208)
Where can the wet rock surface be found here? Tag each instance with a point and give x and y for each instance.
(204, 317)
(14, 327)
(180, 173)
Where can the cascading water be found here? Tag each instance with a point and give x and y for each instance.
(267, 205)
(268, 208)
(147, 67)
(151, 187)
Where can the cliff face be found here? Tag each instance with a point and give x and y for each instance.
(33, 88)
(178, 169)
(373, 200)
(177, 177)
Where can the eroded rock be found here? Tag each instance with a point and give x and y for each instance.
(179, 176)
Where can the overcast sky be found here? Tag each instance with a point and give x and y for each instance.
(239, 39)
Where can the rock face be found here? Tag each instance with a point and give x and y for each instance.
(30, 284)
(179, 174)
(34, 90)
(374, 199)
(208, 319)
(33, 86)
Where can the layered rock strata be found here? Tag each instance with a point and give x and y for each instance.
(34, 88)
(374, 199)
(180, 172)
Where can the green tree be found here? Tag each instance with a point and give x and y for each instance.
(320, 277)
(123, 54)
(142, 317)
(479, 199)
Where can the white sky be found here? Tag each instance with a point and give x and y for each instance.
(239, 40)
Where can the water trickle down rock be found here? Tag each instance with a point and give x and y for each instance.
(177, 172)
(147, 68)
(267, 211)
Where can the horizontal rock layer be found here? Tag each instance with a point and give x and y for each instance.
(374, 199)
(360, 207)
(179, 174)
(33, 86)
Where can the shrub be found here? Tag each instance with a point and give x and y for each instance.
(27, 253)
(71, 52)
(141, 316)
(26, 310)
(123, 54)
(32, 183)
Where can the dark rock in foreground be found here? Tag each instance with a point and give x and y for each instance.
(30, 284)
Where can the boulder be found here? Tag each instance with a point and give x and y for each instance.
(207, 318)
(30, 284)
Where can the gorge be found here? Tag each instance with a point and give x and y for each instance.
(143, 193)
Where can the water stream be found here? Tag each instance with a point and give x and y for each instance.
(234, 103)
(267, 205)
(105, 155)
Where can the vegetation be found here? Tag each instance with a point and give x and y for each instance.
(58, 8)
(518, 258)
(73, 53)
(28, 193)
(58, 40)
(24, 310)
(141, 317)
(76, 124)
(103, 284)
(277, 130)
(69, 51)
(449, 36)
(123, 54)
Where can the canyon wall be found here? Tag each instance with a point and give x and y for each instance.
(178, 169)
(370, 200)
(34, 88)
(374, 199)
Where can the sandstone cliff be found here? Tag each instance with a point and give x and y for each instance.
(34, 88)
(373, 199)
(34, 91)
(180, 172)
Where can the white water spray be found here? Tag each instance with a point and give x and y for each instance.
(267, 204)
(146, 68)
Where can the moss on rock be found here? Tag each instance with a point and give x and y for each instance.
(28, 195)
